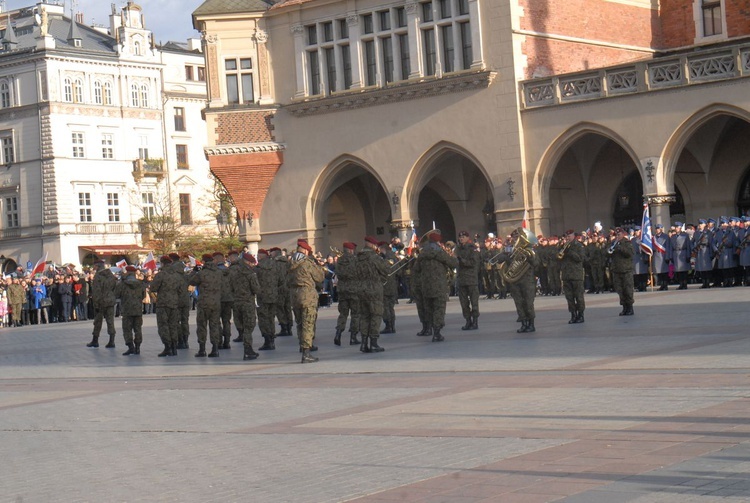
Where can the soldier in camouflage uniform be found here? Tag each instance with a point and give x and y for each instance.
(131, 290)
(433, 266)
(416, 291)
(571, 257)
(270, 281)
(227, 301)
(553, 267)
(283, 301)
(523, 289)
(245, 287)
(346, 271)
(390, 289)
(167, 285)
(208, 280)
(305, 279)
(468, 273)
(372, 272)
(183, 303)
(622, 253)
(103, 297)
(595, 255)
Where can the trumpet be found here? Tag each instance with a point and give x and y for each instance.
(336, 252)
(563, 249)
(614, 246)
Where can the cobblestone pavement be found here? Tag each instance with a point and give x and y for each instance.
(653, 408)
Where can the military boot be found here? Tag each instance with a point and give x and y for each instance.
(426, 330)
(374, 347)
(475, 323)
(225, 344)
(580, 317)
(130, 351)
(393, 326)
(387, 329)
(524, 326)
(284, 330)
(307, 357)
(214, 351)
(468, 324)
(250, 354)
(111, 343)
(530, 326)
(437, 336)
(353, 339)
(167, 351)
(337, 338)
(239, 338)
(181, 344)
(185, 343)
(201, 350)
(137, 349)
(624, 311)
(173, 348)
(364, 346)
(94, 342)
(630, 311)
(573, 317)
(268, 343)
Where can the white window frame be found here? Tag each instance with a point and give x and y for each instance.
(239, 73)
(108, 146)
(135, 96)
(148, 204)
(12, 218)
(7, 147)
(6, 93)
(113, 206)
(78, 142)
(85, 208)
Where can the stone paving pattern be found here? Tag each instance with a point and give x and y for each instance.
(653, 408)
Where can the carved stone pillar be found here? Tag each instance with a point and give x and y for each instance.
(212, 68)
(659, 208)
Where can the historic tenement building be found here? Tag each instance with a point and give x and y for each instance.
(335, 119)
(100, 130)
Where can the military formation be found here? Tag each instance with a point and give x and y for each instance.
(243, 290)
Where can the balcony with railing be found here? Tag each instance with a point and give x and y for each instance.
(148, 168)
(643, 76)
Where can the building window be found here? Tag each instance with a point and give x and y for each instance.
(385, 20)
(711, 17)
(330, 69)
(98, 98)
(463, 7)
(137, 48)
(143, 149)
(179, 119)
(427, 12)
(430, 56)
(144, 96)
(201, 74)
(148, 206)
(346, 61)
(401, 17)
(186, 217)
(466, 52)
(449, 52)
(314, 73)
(84, 207)
(8, 152)
(43, 85)
(78, 91)
(371, 64)
(343, 29)
(68, 90)
(403, 47)
(312, 35)
(5, 99)
(188, 72)
(11, 212)
(113, 206)
(386, 45)
(367, 23)
(134, 95)
(328, 31)
(77, 141)
(239, 80)
(107, 146)
(182, 156)
(107, 90)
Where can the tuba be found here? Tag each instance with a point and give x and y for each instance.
(518, 263)
(563, 249)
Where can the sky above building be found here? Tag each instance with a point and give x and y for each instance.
(167, 19)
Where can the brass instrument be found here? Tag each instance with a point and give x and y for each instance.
(400, 265)
(336, 252)
(493, 260)
(614, 246)
(563, 249)
(519, 263)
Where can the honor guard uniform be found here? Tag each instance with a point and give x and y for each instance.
(724, 245)
(245, 287)
(468, 274)
(167, 286)
(208, 280)
(183, 303)
(621, 252)
(662, 257)
(702, 253)
(571, 256)
(103, 297)
(272, 283)
(390, 288)
(744, 252)
(131, 290)
(305, 279)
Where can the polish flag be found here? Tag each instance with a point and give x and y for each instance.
(525, 221)
(40, 265)
(150, 262)
(122, 263)
(193, 262)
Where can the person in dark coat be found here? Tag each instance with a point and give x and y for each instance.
(661, 257)
(103, 296)
(681, 251)
(131, 290)
(65, 291)
(621, 253)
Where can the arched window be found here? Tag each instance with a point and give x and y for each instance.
(78, 91)
(68, 90)
(98, 99)
(107, 92)
(137, 48)
(144, 96)
(134, 95)
(5, 100)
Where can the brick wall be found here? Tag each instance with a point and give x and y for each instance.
(244, 126)
(738, 17)
(549, 57)
(247, 177)
(677, 23)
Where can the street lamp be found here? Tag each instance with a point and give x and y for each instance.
(222, 221)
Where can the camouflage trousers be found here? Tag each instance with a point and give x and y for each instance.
(183, 322)
(389, 308)
(266, 315)
(573, 290)
(419, 301)
(166, 324)
(370, 317)
(284, 309)
(132, 329)
(523, 293)
(468, 296)
(208, 317)
(597, 276)
(623, 284)
(434, 311)
(306, 316)
(244, 320)
(226, 319)
(348, 307)
(104, 313)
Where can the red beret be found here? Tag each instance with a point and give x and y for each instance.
(301, 243)
(130, 268)
(570, 231)
(435, 237)
(275, 249)
(207, 257)
(217, 254)
(174, 256)
(165, 259)
(263, 251)
(371, 240)
(350, 245)
(233, 252)
(249, 258)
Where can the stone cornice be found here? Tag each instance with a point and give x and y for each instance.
(664, 199)
(246, 148)
(394, 93)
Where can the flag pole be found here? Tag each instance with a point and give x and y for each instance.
(651, 271)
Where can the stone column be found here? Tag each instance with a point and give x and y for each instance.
(659, 208)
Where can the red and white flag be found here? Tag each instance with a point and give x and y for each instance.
(40, 265)
(193, 262)
(122, 263)
(150, 262)
(525, 221)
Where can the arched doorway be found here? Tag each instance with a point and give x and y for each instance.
(743, 195)
(628, 203)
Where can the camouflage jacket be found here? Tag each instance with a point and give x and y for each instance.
(16, 294)
(595, 254)
(183, 297)
(244, 283)
(433, 267)
(468, 264)
(283, 268)
(305, 279)
(167, 285)
(131, 290)
(346, 271)
(103, 288)
(270, 280)
(372, 272)
(208, 280)
(571, 265)
(226, 288)
(390, 289)
(622, 257)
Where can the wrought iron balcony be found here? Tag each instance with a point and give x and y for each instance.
(153, 168)
(642, 76)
